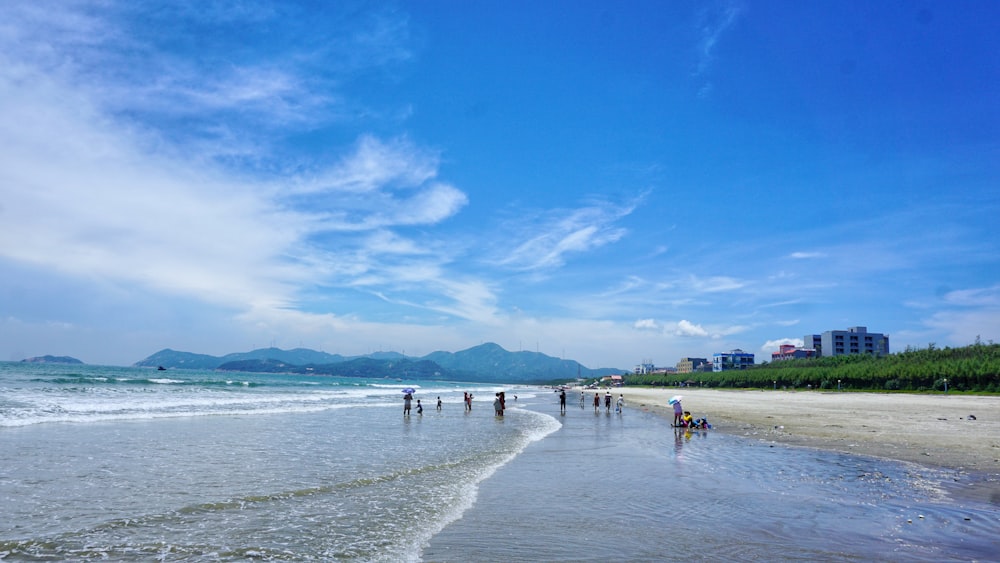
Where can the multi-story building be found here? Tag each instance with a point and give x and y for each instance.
(692, 365)
(645, 368)
(790, 351)
(814, 341)
(855, 340)
(734, 359)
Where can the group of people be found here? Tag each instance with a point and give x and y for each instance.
(619, 404)
(499, 403)
(408, 399)
(683, 418)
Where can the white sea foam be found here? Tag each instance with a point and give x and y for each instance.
(542, 425)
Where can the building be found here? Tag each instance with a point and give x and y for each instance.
(789, 352)
(692, 365)
(645, 368)
(734, 359)
(815, 342)
(855, 340)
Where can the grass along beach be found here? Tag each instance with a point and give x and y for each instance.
(950, 431)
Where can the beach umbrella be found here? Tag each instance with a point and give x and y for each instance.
(675, 399)
(409, 390)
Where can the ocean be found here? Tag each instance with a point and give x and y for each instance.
(132, 464)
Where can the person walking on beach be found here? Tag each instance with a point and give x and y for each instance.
(607, 401)
(439, 404)
(678, 413)
(620, 404)
(406, 403)
(562, 401)
(496, 406)
(420, 408)
(597, 401)
(468, 401)
(583, 397)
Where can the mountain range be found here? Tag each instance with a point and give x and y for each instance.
(484, 363)
(47, 359)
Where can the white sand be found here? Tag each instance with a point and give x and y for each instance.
(928, 429)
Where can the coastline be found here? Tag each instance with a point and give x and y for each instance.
(960, 432)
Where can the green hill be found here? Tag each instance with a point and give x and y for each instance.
(47, 359)
(485, 363)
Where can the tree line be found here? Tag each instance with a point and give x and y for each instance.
(973, 368)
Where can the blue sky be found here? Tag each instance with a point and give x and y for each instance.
(609, 182)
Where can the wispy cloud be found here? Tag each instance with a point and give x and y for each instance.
(713, 22)
(89, 122)
(976, 297)
(714, 284)
(380, 184)
(246, 84)
(555, 235)
(806, 255)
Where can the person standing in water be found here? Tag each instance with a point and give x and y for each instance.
(607, 401)
(562, 401)
(406, 403)
(420, 408)
(439, 404)
(620, 404)
(678, 413)
(597, 402)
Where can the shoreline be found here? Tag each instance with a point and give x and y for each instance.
(959, 432)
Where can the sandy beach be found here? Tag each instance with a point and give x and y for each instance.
(949, 431)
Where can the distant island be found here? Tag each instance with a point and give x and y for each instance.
(487, 363)
(52, 360)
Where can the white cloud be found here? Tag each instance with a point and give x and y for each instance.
(806, 255)
(772, 345)
(714, 284)
(960, 328)
(713, 23)
(563, 232)
(646, 324)
(94, 197)
(687, 328)
(374, 165)
(976, 297)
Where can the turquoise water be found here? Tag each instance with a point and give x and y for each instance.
(102, 463)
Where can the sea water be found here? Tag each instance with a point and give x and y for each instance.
(103, 463)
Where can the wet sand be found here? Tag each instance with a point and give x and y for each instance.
(607, 487)
(949, 431)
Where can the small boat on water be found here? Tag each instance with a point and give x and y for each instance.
(161, 368)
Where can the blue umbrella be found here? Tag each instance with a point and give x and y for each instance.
(409, 390)
(675, 399)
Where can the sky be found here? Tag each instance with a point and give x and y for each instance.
(608, 182)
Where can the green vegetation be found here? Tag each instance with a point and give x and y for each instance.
(973, 368)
